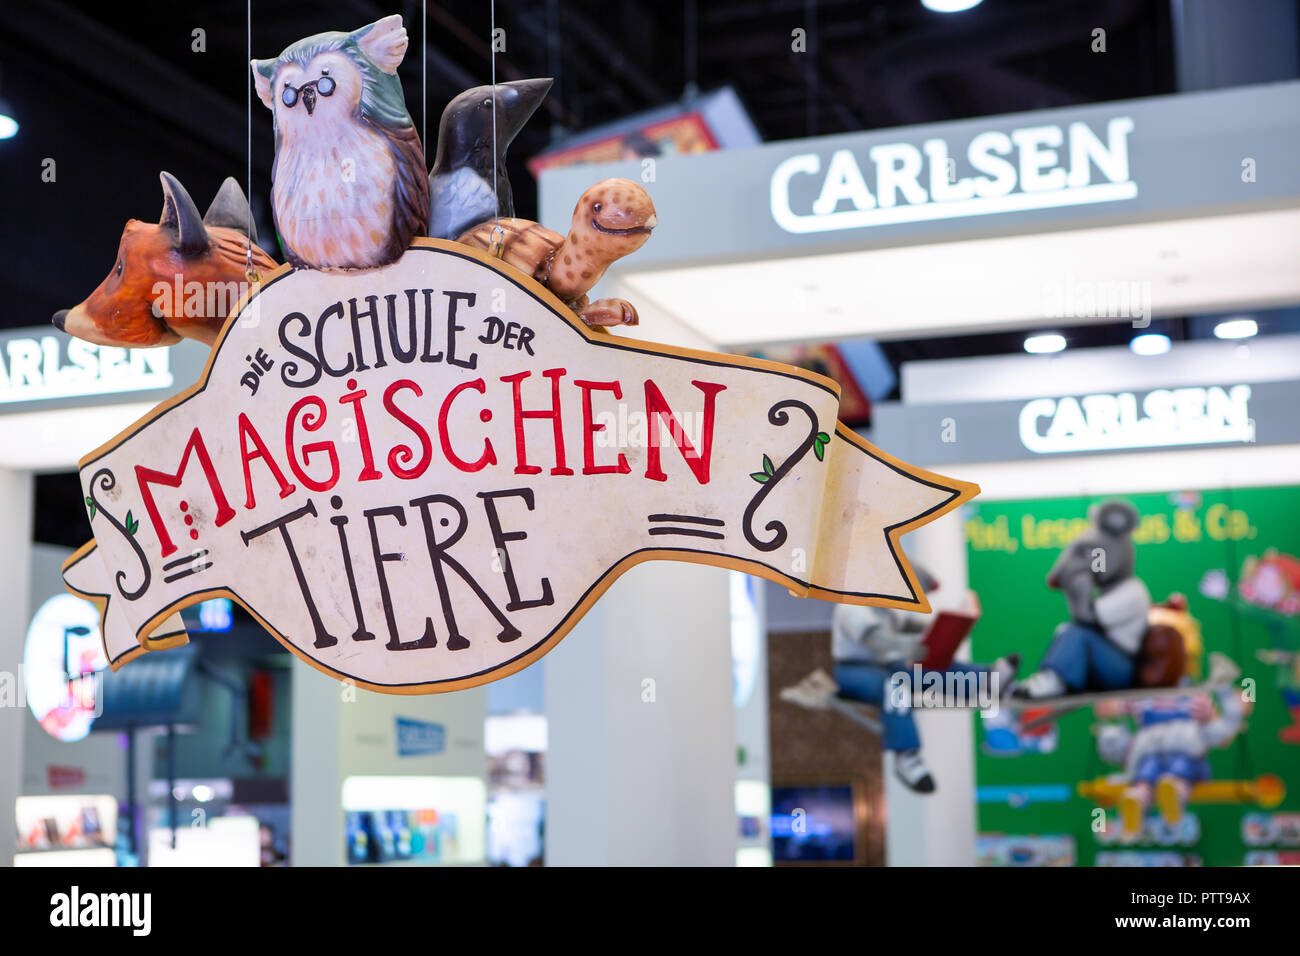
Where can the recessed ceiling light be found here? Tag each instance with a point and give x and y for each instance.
(1151, 343)
(8, 125)
(1236, 329)
(1042, 344)
(949, 6)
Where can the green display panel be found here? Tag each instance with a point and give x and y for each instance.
(1194, 543)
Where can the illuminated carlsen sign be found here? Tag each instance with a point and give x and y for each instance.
(35, 368)
(1037, 167)
(1163, 417)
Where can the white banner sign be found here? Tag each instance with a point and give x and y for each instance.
(419, 477)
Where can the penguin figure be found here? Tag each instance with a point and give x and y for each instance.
(460, 183)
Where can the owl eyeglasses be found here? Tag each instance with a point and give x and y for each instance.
(324, 86)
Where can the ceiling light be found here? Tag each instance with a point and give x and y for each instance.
(1042, 344)
(1236, 329)
(1151, 343)
(949, 6)
(8, 125)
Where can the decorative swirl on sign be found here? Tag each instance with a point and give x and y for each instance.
(777, 415)
(105, 480)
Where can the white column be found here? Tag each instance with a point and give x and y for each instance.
(754, 774)
(15, 573)
(641, 752)
(16, 501)
(146, 745)
(341, 731)
(316, 779)
(641, 761)
(937, 829)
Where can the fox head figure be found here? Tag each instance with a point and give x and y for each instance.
(177, 278)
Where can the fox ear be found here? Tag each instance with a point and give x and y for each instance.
(384, 42)
(180, 214)
(263, 71)
(230, 209)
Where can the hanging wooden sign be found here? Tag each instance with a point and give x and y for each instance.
(420, 476)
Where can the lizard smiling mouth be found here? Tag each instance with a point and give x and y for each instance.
(631, 231)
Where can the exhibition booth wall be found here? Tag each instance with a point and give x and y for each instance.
(1169, 205)
(1210, 459)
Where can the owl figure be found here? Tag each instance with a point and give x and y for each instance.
(349, 185)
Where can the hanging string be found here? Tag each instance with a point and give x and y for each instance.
(249, 272)
(554, 64)
(497, 244)
(812, 78)
(424, 77)
(492, 55)
(690, 55)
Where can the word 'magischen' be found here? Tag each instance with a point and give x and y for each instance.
(425, 429)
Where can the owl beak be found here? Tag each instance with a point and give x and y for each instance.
(309, 99)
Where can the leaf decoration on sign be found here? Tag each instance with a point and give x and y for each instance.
(819, 445)
(768, 470)
(90, 503)
(104, 480)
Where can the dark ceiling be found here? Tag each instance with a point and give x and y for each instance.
(114, 92)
